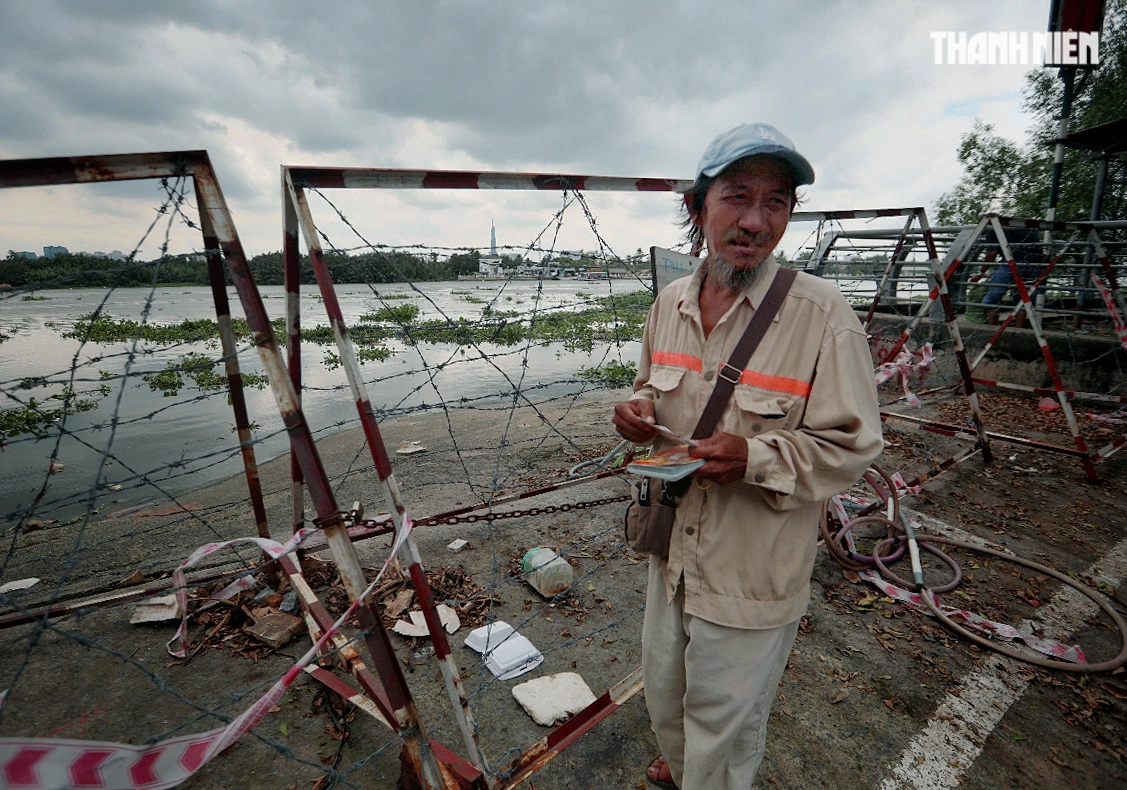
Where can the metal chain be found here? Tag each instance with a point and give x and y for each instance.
(534, 511)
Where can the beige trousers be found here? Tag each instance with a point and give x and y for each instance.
(709, 690)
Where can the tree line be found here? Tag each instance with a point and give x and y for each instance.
(1013, 178)
(79, 270)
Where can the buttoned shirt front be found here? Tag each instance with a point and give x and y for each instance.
(806, 404)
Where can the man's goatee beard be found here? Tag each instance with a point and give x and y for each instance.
(727, 277)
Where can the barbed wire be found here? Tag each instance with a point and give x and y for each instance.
(474, 467)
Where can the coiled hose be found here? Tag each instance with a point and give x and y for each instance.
(901, 536)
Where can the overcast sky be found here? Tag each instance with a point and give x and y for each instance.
(628, 88)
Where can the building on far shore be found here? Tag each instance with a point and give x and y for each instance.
(50, 251)
(490, 266)
(31, 256)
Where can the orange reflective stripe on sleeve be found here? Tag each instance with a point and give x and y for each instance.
(677, 360)
(775, 383)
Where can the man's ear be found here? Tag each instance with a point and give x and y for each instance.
(688, 199)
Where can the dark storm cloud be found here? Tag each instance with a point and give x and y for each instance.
(635, 87)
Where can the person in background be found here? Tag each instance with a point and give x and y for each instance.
(723, 608)
(1025, 245)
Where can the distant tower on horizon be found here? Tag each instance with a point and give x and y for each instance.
(492, 238)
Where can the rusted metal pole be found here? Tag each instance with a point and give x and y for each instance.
(449, 668)
(537, 756)
(235, 381)
(1108, 270)
(1046, 352)
(933, 294)
(900, 241)
(291, 271)
(950, 429)
(329, 518)
(394, 178)
(1009, 319)
(319, 620)
(956, 337)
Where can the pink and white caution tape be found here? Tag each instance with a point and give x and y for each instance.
(1117, 319)
(990, 628)
(1111, 419)
(903, 365)
(180, 583)
(60, 763)
(242, 583)
(902, 487)
(838, 508)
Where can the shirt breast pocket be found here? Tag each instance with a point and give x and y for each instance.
(757, 411)
(669, 404)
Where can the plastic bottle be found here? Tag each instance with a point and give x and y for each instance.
(547, 572)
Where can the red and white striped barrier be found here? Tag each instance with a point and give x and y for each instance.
(64, 764)
(1113, 309)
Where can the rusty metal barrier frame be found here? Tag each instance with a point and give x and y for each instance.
(917, 215)
(297, 217)
(387, 688)
(219, 236)
(1088, 457)
(1089, 233)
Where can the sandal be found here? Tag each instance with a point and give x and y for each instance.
(658, 774)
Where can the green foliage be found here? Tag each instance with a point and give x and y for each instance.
(613, 318)
(613, 374)
(39, 416)
(501, 332)
(1000, 175)
(400, 314)
(201, 369)
(373, 353)
(103, 328)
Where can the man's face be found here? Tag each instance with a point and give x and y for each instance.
(746, 211)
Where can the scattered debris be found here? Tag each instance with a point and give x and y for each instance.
(547, 572)
(1048, 404)
(418, 625)
(19, 584)
(273, 627)
(132, 579)
(553, 698)
(507, 653)
(264, 595)
(156, 610)
(400, 603)
(421, 656)
(457, 545)
(395, 594)
(31, 525)
(410, 448)
(55, 467)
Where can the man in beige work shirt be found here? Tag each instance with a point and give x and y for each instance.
(722, 610)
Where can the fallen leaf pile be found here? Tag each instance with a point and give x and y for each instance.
(1020, 414)
(395, 595)
(224, 624)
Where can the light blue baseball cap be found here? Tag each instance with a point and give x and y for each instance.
(754, 139)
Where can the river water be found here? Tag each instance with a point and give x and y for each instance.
(150, 445)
